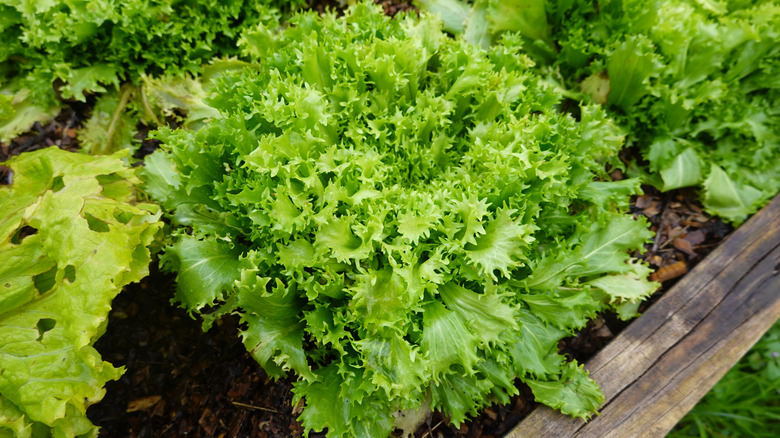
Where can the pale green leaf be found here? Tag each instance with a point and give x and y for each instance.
(447, 341)
(525, 16)
(56, 290)
(453, 13)
(630, 66)
(111, 126)
(534, 348)
(393, 364)
(683, 171)
(502, 247)
(573, 393)
(728, 199)
(487, 314)
(632, 286)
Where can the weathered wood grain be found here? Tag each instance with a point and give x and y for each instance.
(659, 367)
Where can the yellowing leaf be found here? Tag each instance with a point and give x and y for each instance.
(78, 248)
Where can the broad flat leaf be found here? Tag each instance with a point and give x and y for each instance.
(21, 265)
(566, 309)
(296, 255)
(477, 30)
(274, 334)
(453, 13)
(382, 300)
(611, 192)
(24, 111)
(205, 269)
(597, 87)
(730, 200)
(525, 16)
(683, 171)
(393, 364)
(574, 393)
(160, 178)
(447, 341)
(632, 286)
(534, 348)
(629, 67)
(188, 95)
(57, 287)
(603, 248)
(488, 314)
(6, 107)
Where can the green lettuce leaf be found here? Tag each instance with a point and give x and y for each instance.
(453, 13)
(19, 111)
(729, 199)
(73, 235)
(482, 22)
(274, 335)
(573, 394)
(693, 84)
(684, 170)
(208, 266)
(534, 349)
(630, 66)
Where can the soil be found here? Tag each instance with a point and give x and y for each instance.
(181, 382)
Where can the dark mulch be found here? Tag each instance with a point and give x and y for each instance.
(180, 382)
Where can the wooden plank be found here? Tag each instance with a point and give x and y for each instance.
(659, 367)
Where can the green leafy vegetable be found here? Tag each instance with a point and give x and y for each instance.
(693, 82)
(400, 219)
(71, 237)
(64, 49)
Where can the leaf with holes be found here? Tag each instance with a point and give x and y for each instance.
(68, 249)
